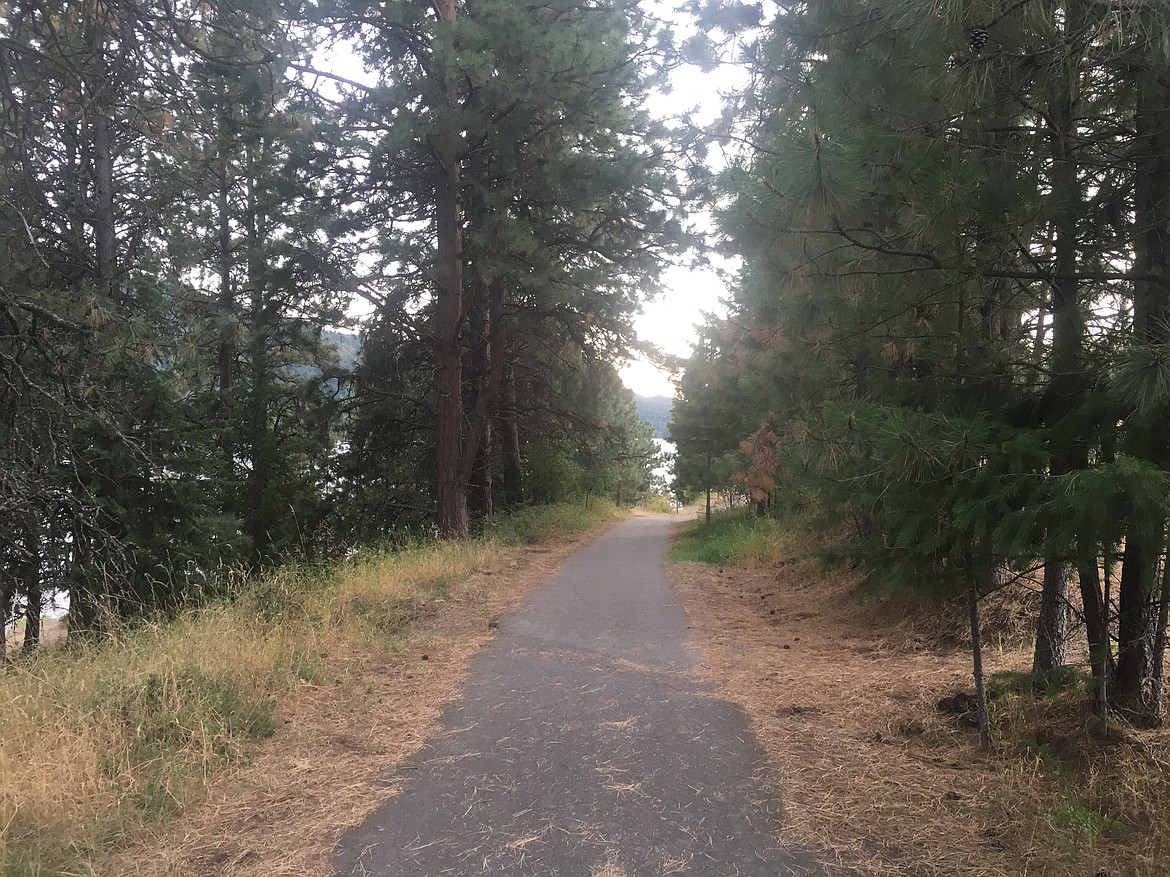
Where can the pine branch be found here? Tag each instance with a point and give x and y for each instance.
(883, 247)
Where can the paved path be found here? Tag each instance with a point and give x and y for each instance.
(582, 745)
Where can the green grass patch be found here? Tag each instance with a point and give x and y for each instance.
(734, 538)
(1060, 680)
(541, 523)
(659, 504)
(1075, 818)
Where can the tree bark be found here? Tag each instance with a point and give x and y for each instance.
(977, 661)
(227, 304)
(7, 598)
(512, 473)
(1135, 622)
(1052, 626)
(105, 236)
(1158, 685)
(478, 451)
(1066, 390)
(260, 515)
(451, 513)
(1151, 314)
(1096, 618)
(707, 479)
(31, 576)
(488, 388)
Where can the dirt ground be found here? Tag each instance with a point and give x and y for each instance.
(337, 739)
(844, 697)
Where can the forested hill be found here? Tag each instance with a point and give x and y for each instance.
(655, 410)
(348, 345)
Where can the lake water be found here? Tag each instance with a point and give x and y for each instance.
(667, 469)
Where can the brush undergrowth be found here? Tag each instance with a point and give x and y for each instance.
(735, 538)
(1057, 798)
(101, 741)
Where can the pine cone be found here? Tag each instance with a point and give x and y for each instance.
(978, 37)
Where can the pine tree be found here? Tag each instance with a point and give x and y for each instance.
(933, 215)
(540, 182)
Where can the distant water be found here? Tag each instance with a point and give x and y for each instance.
(666, 470)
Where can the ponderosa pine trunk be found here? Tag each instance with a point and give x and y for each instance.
(103, 220)
(7, 601)
(260, 517)
(977, 658)
(451, 511)
(1137, 616)
(226, 355)
(477, 452)
(512, 470)
(1135, 621)
(1052, 624)
(1159, 678)
(1096, 617)
(1066, 391)
(488, 385)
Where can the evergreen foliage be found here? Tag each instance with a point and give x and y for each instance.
(191, 208)
(954, 223)
(655, 410)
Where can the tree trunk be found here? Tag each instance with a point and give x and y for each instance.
(1158, 685)
(84, 617)
(1137, 619)
(977, 661)
(478, 441)
(480, 497)
(1107, 669)
(1135, 622)
(1066, 390)
(451, 513)
(1096, 618)
(227, 304)
(512, 473)
(260, 515)
(7, 598)
(104, 228)
(490, 377)
(707, 478)
(33, 598)
(1052, 627)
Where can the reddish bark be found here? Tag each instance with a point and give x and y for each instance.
(451, 515)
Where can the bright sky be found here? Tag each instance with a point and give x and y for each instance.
(669, 322)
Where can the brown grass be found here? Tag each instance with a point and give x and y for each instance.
(338, 739)
(843, 695)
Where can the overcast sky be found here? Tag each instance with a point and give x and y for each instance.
(669, 322)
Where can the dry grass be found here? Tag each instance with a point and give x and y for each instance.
(843, 696)
(244, 738)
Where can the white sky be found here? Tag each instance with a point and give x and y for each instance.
(669, 322)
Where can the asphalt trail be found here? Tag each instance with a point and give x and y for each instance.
(583, 744)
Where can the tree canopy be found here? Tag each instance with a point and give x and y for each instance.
(953, 219)
(199, 210)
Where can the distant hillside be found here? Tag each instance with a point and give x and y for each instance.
(655, 410)
(348, 344)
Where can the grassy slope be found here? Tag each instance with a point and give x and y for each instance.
(99, 745)
(843, 694)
